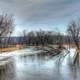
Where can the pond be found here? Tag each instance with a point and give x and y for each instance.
(35, 68)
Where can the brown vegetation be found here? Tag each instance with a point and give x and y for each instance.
(11, 48)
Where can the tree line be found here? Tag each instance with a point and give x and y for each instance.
(41, 37)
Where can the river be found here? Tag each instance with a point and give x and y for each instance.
(35, 68)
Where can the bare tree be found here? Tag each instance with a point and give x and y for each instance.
(31, 38)
(37, 38)
(24, 36)
(74, 32)
(68, 41)
(6, 26)
(59, 40)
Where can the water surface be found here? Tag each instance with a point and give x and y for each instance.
(37, 68)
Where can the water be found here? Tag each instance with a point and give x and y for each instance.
(36, 68)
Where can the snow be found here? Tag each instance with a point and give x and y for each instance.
(5, 58)
(27, 51)
(72, 52)
(70, 55)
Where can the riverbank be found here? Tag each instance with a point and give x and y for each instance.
(19, 46)
(11, 48)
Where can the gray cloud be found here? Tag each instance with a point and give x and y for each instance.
(42, 11)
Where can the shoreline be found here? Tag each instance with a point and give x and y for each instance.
(19, 46)
(11, 48)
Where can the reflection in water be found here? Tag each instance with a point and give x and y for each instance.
(34, 68)
(8, 72)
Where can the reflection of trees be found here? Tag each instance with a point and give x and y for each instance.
(8, 72)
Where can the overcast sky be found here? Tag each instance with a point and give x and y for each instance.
(41, 14)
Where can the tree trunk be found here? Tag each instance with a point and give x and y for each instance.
(76, 59)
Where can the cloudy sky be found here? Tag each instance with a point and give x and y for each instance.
(41, 14)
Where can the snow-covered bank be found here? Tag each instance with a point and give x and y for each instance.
(68, 56)
(5, 58)
(27, 51)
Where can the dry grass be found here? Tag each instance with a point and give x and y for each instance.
(12, 48)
